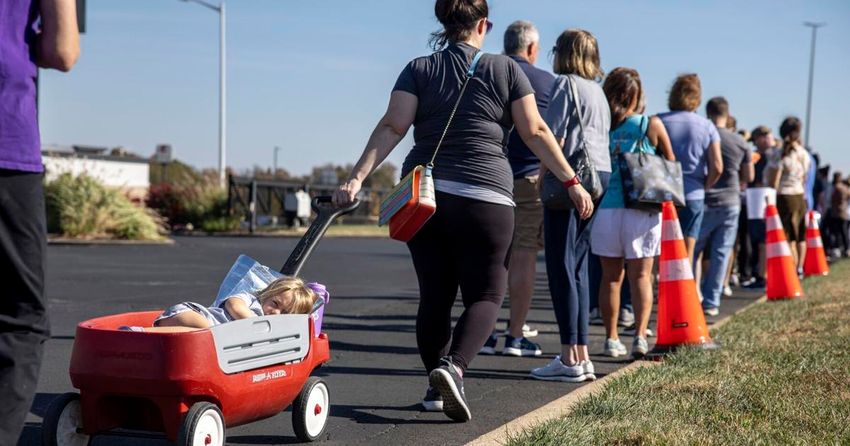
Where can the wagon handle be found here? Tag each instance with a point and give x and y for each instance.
(326, 212)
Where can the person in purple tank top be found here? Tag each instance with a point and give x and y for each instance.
(33, 34)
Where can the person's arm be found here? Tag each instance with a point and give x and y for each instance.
(540, 140)
(748, 171)
(715, 164)
(659, 138)
(773, 173)
(390, 130)
(58, 44)
(238, 308)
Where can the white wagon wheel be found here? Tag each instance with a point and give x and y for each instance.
(203, 426)
(310, 410)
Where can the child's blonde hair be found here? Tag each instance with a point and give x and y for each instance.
(301, 300)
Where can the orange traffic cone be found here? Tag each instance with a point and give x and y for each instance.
(680, 317)
(815, 263)
(782, 280)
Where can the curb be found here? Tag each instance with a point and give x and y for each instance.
(101, 242)
(274, 235)
(564, 405)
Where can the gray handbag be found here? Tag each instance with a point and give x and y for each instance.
(553, 194)
(650, 180)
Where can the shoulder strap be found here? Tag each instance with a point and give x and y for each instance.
(644, 130)
(577, 101)
(469, 73)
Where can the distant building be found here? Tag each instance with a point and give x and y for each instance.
(328, 177)
(119, 168)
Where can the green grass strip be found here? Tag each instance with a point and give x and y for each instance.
(782, 377)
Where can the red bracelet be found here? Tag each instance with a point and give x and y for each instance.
(571, 182)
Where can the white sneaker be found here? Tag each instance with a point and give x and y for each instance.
(589, 371)
(639, 348)
(558, 371)
(727, 291)
(528, 332)
(614, 348)
(734, 280)
(711, 312)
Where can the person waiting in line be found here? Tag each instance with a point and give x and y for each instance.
(722, 207)
(522, 44)
(787, 172)
(466, 243)
(566, 233)
(696, 145)
(838, 218)
(623, 238)
(763, 139)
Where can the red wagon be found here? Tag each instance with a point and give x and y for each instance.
(191, 386)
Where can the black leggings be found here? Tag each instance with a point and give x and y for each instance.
(465, 244)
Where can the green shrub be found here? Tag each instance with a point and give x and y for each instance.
(193, 201)
(82, 207)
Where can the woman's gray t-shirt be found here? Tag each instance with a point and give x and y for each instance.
(474, 149)
(562, 119)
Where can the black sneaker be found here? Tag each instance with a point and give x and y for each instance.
(758, 284)
(489, 346)
(432, 402)
(520, 347)
(448, 382)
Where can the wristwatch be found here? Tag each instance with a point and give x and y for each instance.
(571, 182)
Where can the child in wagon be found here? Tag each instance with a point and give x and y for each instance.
(285, 295)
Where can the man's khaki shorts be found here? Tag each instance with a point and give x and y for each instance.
(528, 214)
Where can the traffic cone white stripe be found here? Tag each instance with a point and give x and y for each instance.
(773, 223)
(814, 242)
(675, 270)
(778, 249)
(671, 230)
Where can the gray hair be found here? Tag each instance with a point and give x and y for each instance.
(519, 36)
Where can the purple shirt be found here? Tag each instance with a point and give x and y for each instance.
(691, 135)
(20, 146)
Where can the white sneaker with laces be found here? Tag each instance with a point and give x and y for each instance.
(639, 348)
(614, 348)
(589, 371)
(558, 371)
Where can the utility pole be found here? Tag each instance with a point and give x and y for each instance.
(276, 149)
(814, 27)
(222, 86)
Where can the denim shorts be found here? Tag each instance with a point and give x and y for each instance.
(690, 217)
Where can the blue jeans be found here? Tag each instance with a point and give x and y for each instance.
(691, 216)
(716, 239)
(566, 239)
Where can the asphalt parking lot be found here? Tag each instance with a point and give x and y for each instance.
(375, 377)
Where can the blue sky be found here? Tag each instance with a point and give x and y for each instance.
(314, 77)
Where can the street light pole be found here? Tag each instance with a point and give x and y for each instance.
(276, 148)
(222, 87)
(222, 98)
(814, 27)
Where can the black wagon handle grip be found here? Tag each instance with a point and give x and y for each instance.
(326, 212)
